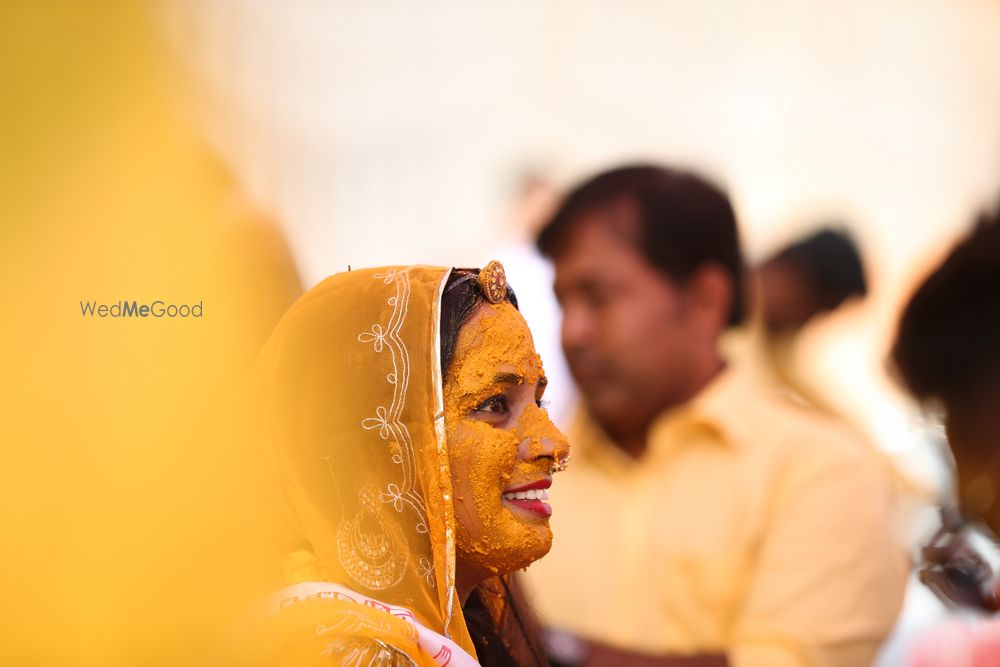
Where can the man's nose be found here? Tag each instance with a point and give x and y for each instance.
(575, 330)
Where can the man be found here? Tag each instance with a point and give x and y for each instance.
(702, 521)
(811, 276)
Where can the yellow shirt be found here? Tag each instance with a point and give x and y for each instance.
(750, 527)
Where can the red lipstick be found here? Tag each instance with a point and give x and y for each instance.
(530, 497)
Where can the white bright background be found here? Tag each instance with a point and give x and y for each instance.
(395, 131)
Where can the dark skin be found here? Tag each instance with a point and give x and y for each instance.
(786, 300)
(973, 426)
(637, 343)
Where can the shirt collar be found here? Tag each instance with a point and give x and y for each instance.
(718, 411)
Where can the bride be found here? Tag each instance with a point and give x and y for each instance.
(403, 417)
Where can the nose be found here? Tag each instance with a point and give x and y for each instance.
(541, 440)
(575, 330)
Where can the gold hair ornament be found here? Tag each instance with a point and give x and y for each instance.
(493, 282)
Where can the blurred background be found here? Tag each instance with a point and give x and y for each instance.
(402, 134)
(243, 150)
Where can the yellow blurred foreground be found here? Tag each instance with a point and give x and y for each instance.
(132, 532)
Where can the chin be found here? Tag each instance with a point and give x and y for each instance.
(521, 548)
(535, 543)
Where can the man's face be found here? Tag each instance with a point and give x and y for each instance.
(788, 301)
(625, 331)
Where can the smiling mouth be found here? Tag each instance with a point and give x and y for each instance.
(530, 497)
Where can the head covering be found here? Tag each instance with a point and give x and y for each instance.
(353, 418)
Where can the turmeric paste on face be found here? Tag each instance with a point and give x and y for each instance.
(496, 367)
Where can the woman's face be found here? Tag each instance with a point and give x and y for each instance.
(501, 444)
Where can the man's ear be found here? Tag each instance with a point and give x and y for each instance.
(709, 292)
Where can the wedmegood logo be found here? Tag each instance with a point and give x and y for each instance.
(158, 309)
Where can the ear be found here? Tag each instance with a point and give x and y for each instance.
(710, 296)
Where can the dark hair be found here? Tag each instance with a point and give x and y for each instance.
(684, 221)
(948, 344)
(513, 640)
(831, 264)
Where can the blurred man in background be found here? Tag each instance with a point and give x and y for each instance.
(705, 521)
(812, 275)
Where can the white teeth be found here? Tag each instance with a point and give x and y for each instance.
(534, 494)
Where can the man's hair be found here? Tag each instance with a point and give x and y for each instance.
(948, 344)
(684, 222)
(830, 263)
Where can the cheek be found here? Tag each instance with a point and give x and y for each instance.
(625, 322)
(647, 334)
(492, 463)
(489, 537)
(482, 460)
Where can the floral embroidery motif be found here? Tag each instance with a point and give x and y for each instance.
(426, 569)
(379, 421)
(394, 496)
(376, 336)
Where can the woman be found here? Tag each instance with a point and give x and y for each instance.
(403, 413)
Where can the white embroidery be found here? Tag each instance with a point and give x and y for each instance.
(376, 336)
(387, 277)
(387, 421)
(379, 421)
(426, 568)
(394, 496)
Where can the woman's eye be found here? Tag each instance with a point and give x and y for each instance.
(495, 404)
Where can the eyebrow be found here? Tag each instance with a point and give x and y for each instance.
(507, 378)
(514, 378)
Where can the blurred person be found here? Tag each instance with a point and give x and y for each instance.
(947, 353)
(812, 275)
(713, 522)
(813, 289)
(794, 291)
(402, 411)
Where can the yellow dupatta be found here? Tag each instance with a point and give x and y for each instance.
(353, 423)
